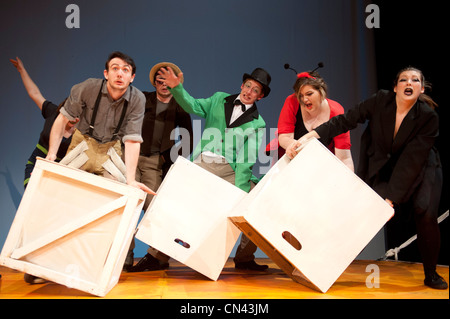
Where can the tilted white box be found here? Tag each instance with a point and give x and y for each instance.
(312, 216)
(73, 228)
(188, 221)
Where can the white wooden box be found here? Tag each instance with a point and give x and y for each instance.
(312, 216)
(188, 219)
(73, 228)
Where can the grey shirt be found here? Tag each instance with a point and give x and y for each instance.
(81, 104)
(161, 111)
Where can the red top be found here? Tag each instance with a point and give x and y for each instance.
(288, 119)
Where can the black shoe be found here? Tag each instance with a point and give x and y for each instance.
(435, 281)
(250, 265)
(30, 279)
(148, 263)
(129, 261)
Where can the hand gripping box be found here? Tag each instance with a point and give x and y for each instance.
(188, 219)
(312, 216)
(73, 228)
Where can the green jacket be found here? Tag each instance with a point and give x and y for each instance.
(239, 142)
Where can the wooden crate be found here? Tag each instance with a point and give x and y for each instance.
(312, 216)
(188, 221)
(73, 228)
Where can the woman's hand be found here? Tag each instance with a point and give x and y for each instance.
(291, 150)
(295, 146)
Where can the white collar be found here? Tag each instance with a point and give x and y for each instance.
(247, 106)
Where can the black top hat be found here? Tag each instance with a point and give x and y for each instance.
(260, 75)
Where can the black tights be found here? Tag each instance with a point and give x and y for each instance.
(428, 233)
(423, 207)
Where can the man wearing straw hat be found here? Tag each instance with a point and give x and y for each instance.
(162, 116)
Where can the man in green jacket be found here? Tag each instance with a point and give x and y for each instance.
(231, 138)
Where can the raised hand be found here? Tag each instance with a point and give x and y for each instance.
(167, 75)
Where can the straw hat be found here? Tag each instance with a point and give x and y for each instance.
(158, 66)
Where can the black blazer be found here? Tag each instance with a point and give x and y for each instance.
(401, 159)
(249, 115)
(175, 117)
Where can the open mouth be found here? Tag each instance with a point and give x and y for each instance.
(408, 91)
(245, 99)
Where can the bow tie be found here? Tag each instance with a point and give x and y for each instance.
(238, 102)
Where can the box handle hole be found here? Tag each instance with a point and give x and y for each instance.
(182, 243)
(291, 240)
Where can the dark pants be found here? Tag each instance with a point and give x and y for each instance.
(30, 164)
(421, 211)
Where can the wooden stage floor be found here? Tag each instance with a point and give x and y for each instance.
(398, 280)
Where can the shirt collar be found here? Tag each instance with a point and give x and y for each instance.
(247, 106)
(126, 95)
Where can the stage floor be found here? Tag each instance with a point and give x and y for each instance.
(397, 280)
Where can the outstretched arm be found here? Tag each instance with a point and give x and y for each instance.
(56, 135)
(30, 86)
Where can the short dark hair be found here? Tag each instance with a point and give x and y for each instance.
(123, 56)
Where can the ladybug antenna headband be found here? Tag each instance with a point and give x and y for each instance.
(304, 74)
(287, 66)
(319, 65)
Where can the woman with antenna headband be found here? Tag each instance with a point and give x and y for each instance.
(307, 108)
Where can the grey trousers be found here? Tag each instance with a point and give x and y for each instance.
(149, 172)
(246, 249)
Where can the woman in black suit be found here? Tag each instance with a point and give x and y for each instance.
(398, 159)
